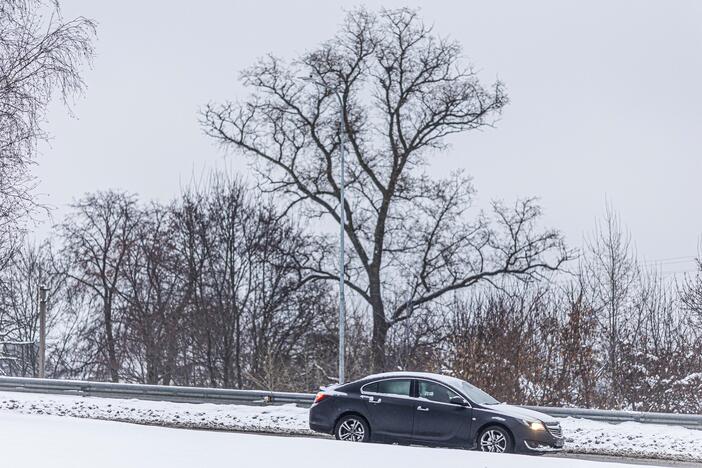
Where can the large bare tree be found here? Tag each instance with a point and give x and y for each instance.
(97, 239)
(155, 295)
(40, 57)
(402, 91)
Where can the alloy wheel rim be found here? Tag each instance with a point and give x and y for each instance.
(352, 430)
(493, 441)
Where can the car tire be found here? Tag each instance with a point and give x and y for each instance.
(352, 428)
(495, 439)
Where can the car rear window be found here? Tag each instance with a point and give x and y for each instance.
(372, 387)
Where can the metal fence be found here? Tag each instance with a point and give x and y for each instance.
(262, 397)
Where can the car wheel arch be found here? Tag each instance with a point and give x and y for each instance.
(494, 424)
(354, 413)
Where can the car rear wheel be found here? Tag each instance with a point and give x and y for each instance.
(495, 439)
(352, 428)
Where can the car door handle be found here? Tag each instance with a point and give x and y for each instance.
(421, 408)
(371, 399)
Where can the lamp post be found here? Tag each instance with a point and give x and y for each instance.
(342, 224)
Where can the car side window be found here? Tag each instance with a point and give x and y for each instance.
(435, 392)
(393, 387)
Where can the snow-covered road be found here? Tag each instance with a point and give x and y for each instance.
(33, 441)
(582, 436)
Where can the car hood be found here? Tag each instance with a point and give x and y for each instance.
(519, 412)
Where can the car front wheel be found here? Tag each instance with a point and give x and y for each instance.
(495, 439)
(352, 428)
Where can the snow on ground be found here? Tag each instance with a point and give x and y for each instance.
(632, 439)
(275, 419)
(582, 436)
(32, 441)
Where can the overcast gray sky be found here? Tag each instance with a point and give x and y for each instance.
(606, 103)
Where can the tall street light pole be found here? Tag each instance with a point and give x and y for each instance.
(342, 224)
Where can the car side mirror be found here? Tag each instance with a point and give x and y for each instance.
(456, 400)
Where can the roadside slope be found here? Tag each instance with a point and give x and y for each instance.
(582, 436)
(33, 441)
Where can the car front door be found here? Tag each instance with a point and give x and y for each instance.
(437, 420)
(390, 408)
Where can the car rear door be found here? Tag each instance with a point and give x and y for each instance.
(436, 419)
(390, 408)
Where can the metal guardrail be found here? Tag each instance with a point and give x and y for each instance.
(693, 421)
(262, 397)
(152, 392)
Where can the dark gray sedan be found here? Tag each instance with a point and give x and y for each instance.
(430, 409)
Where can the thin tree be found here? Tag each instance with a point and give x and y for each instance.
(403, 90)
(611, 273)
(40, 57)
(20, 280)
(691, 291)
(251, 301)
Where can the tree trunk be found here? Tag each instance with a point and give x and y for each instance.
(111, 353)
(380, 323)
(237, 325)
(380, 334)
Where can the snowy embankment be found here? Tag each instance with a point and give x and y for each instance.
(31, 441)
(287, 419)
(582, 436)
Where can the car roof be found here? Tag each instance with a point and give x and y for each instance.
(451, 381)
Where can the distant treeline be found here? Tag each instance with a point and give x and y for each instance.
(217, 288)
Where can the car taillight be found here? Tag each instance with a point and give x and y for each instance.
(319, 397)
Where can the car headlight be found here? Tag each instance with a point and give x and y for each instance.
(534, 425)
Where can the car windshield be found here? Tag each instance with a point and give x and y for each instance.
(476, 395)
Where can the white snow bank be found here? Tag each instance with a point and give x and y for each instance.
(582, 436)
(274, 419)
(632, 439)
(32, 441)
